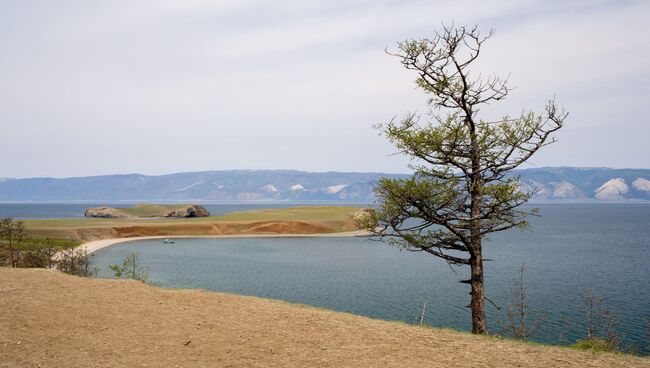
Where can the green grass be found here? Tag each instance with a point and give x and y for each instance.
(92, 222)
(594, 344)
(302, 213)
(65, 228)
(151, 210)
(36, 243)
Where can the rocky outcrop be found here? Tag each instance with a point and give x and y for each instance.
(104, 212)
(193, 210)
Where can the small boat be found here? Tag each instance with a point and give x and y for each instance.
(168, 241)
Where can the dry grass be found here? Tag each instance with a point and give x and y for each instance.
(54, 320)
(298, 213)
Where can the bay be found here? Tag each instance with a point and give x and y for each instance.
(570, 249)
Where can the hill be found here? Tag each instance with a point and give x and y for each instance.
(290, 220)
(241, 186)
(51, 319)
(551, 183)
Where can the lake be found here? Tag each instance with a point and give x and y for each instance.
(571, 248)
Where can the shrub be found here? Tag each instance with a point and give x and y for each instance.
(131, 269)
(595, 344)
(76, 261)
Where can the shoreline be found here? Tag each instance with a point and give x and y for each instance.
(95, 245)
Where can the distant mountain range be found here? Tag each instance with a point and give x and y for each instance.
(551, 183)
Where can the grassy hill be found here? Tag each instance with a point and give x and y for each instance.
(51, 319)
(150, 210)
(296, 220)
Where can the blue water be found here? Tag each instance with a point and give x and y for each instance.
(571, 248)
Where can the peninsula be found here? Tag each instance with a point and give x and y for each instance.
(284, 221)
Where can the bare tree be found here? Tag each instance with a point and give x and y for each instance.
(75, 261)
(591, 305)
(522, 321)
(460, 192)
(50, 251)
(42, 256)
(647, 333)
(600, 323)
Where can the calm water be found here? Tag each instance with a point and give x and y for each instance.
(605, 248)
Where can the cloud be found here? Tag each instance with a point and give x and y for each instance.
(252, 84)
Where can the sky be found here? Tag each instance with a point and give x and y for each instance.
(153, 87)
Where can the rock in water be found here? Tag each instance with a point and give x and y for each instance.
(104, 212)
(190, 211)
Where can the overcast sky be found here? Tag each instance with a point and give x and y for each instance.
(101, 87)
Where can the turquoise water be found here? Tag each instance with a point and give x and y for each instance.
(571, 248)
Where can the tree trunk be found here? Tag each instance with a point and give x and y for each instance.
(479, 322)
(11, 251)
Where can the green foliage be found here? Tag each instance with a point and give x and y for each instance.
(41, 253)
(459, 160)
(131, 269)
(595, 344)
(35, 244)
(459, 192)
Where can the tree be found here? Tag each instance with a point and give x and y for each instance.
(12, 232)
(600, 324)
(131, 269)
(459, 192)
(522, 322)
(75, 261)
(43, 255)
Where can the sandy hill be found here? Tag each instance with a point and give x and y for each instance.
(50, 319)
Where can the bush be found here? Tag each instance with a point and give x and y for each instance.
(35, 259)
(131, 269)
(595, 344)
(75, 261)
(42, 253)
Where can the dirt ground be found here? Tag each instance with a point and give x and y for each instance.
(49, 319)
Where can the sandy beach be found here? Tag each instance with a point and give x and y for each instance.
(95, 245)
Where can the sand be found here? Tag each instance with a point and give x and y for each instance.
(49, 319)
(95, 245)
